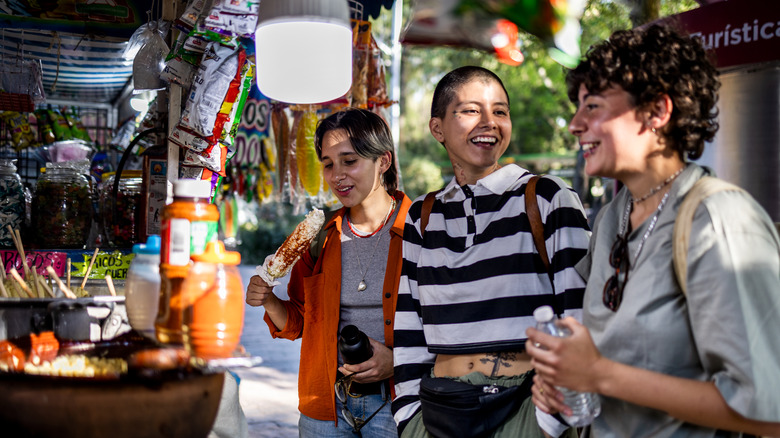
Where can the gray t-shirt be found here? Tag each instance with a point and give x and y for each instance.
(358, 255)
(726, 331)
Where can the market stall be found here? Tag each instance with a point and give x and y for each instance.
(93, 184)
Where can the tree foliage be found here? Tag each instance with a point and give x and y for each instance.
(540, 108)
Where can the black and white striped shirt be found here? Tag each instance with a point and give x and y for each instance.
(472, 284)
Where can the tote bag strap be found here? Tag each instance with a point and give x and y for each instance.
(703, 188)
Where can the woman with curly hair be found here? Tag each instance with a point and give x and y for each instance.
(665, 363)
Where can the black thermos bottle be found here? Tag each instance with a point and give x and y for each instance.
(354, 345)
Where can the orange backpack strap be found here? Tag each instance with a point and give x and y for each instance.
(426, 210)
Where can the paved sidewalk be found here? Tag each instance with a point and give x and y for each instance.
(269, 393)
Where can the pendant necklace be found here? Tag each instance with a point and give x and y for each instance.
(362, 285)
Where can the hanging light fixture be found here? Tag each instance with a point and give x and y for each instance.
(303, 50)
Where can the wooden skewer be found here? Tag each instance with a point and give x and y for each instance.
(37, 289)
(68, 276)
(18, 291)
(110, 285)
(3, 292)
(19, 248)
(17, 238)
(22, 284)
(91, 262)
(44, 286)
(65, 289)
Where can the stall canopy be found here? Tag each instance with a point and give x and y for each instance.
(80, 44)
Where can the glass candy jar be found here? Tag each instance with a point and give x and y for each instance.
(12, 202)
(121, 212)
(61, 207)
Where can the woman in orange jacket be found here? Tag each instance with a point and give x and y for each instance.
(353, 281)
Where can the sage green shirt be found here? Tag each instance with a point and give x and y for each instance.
(726, 331)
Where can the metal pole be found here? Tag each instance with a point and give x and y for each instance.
(395, 82)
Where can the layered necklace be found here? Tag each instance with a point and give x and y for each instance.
(651, 227)
(658, 188)
(363, 235)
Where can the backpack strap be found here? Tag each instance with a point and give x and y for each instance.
(537, 226)
(427, 206)
(702, 189)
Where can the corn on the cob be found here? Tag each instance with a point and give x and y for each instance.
(296, 244)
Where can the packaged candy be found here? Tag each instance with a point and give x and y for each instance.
(280, 127)
(22, 135)
(309, 168)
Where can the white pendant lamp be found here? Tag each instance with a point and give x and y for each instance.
(303, 50)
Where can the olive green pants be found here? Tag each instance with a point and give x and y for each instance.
(520, 424)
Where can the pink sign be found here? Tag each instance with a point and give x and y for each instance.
(737, 32)
(38, 260)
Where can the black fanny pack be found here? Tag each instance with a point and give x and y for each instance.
(457, 409)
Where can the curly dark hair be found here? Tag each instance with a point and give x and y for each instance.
(649, 62)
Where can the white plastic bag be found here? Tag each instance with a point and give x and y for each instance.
(150, 59)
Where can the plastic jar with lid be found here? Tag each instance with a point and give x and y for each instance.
(213, 301)
(12, 202)
(188, 224)
(121, 212)
(142, 286)
(62, 207)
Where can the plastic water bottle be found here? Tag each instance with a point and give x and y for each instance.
(142, 287)
(585, 406)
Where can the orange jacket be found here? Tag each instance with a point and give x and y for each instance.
(313, 313)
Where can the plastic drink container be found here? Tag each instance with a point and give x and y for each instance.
(585, 406)
(213, 301)
(142, 287)
(188, 224)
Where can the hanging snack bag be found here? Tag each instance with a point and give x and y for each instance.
(194, 10)
(309, 168)
(76, 126)
(22, 135)
(377, 86)
(216, 71)
(44, 126)
(361, 31)
(280, 126)
(59, 124)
